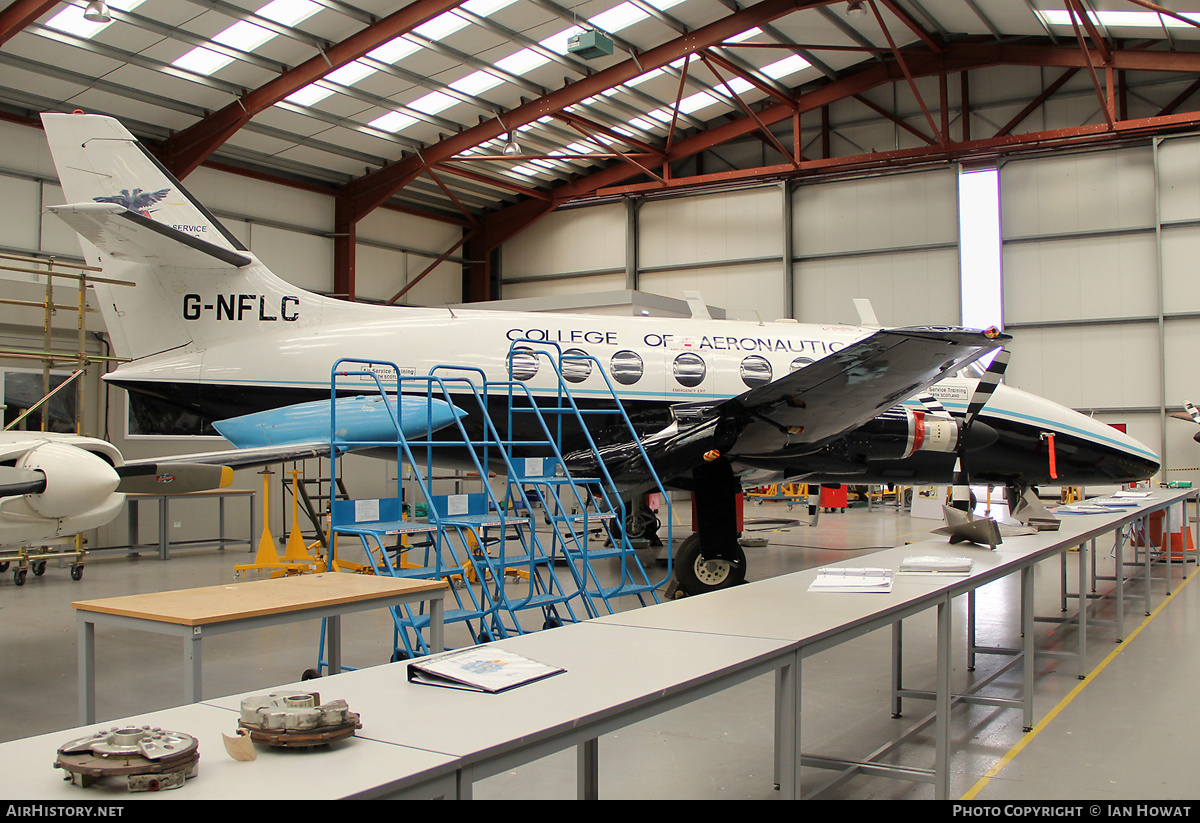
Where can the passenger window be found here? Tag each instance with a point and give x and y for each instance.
(573, 370)
(689, 370)
(522, 363)
(626, 367)
(799, 363)
(756, 371)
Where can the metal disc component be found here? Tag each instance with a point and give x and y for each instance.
(150, 759)
(296, 719)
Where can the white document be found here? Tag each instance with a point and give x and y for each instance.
(366, 511)
(932, 564)
(456, 504)
(852, 580)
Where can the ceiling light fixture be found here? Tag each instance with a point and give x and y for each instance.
(97, 12)
(855, 8)
(511, 148)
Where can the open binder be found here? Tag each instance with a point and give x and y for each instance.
(479, 669)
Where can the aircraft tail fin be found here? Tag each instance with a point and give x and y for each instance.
(194, 283)
(99, 161)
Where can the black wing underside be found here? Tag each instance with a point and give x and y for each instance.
(841, 392)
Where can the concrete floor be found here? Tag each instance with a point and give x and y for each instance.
(1116, 737)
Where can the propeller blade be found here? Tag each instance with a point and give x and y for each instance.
(933, 405)
(987, 385)
(15, 481)
(172, 478)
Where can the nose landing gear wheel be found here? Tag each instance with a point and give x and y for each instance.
(697, 575)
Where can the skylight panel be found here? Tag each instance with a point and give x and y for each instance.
(309, 95)
(442, 26)
(202, 60)
(526, 60)
(1127, 19)
(744, 36)
(393, 50)
(289, 12)
(485, 8)
(618, 17)
(476, 83)
(393, 121)
(782, 68)
(433, 102)
(70, 19)
(244, 35)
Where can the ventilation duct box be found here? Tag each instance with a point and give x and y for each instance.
(590, 44)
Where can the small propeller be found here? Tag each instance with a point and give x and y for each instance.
(1192, 414)
(960, 497)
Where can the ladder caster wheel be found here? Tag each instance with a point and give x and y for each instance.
(19, 577)
(4, 566)
(39, 568)
(552, 624)
(398, 655)
(310, 674)
(77, 572)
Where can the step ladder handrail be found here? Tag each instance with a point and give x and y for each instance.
(563, 391)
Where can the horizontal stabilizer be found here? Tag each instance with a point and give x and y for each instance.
(128, 236)
(363, 419)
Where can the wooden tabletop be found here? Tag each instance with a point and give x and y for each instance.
(254, 598)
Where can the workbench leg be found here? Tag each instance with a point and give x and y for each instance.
(1119, 560)
(1027, 644)
(787, 728)
(87, 671)
(192, 660)
(588, 770)
(897, 666)
(1146, 565)
(333, 643)
(164, 512)
(437, 625)
(466, 783)
(1084, 553)
(1166, 542)
(942, 722)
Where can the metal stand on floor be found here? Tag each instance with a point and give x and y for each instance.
(504, 562)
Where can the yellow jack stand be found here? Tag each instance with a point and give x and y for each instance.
(296, 559)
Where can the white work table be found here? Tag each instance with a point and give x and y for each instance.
(345, 769)
(615, 676)
(630, 666)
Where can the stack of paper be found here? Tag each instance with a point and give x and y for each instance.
(929, 564)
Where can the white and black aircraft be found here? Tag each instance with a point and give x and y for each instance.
(718, 405)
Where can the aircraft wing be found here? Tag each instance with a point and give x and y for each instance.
(844, 390)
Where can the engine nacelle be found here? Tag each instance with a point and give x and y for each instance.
(902, 432)
(76, 479)
(79, 494)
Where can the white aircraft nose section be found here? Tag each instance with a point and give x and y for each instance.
(1052, 418)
